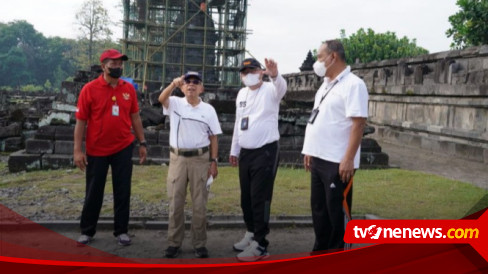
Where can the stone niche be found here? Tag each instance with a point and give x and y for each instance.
(436, 102)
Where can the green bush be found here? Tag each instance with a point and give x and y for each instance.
(31, 88)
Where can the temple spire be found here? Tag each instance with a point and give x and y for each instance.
(308, 63)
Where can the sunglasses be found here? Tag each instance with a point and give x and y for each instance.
(194, 81)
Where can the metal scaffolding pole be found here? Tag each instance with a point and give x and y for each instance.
(164, 38)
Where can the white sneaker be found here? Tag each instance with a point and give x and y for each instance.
(245, 242)
(123, 239)
(253, 252)
(84, 239)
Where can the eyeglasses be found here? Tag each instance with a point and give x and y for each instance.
(195, 82)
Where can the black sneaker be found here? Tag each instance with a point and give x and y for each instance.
(201, 252)
(172, 252)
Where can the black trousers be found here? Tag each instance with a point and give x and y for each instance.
(96, 176)
(328, 215)
(257, 172)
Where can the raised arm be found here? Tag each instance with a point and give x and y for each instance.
(164, 96)
(278, 80)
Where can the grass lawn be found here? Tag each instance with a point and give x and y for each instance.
(391, 193)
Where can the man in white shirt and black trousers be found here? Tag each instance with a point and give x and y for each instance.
(194, 127)
(255, 150)
(332, 144)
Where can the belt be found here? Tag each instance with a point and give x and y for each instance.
(188, 152)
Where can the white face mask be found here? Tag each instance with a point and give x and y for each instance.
(251, 79)
(319, 68)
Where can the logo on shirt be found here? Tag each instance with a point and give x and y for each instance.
(242, 104)
(126, 96)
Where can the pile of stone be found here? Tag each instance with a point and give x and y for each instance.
(11, 137)
(71, 89)
(50, 148)
(20, 113)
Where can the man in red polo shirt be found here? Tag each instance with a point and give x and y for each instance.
(108, 109)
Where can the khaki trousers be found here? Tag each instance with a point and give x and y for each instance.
(184, 170)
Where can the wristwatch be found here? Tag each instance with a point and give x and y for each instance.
(143, 143)
(216, 160)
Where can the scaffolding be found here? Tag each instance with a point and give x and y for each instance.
(166, 38)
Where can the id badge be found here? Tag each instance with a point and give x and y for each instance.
(115, 110)
(313, 115)
(245, 123)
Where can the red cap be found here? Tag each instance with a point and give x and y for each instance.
(112, 54)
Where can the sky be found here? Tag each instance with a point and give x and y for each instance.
(280, 29)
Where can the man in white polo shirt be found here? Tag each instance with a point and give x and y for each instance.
(332, 144)
(194, 127)
(255, 149)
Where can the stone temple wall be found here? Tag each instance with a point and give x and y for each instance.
(438, 102)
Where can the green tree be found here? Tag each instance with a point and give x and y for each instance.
(14, 70)
(469, 26)
(19, 52)
(81, 51)
(27, 57)
(367, 46)
(47, 85)
(62, 59)
(94, 24)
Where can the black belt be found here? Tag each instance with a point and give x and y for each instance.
(188, 152)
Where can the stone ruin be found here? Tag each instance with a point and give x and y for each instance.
(21, 114)
(436, 102)
(40, 134)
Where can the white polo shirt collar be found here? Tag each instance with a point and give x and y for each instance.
(187, 104)
(339, 77)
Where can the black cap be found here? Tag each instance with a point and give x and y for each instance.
(249, 63)
(192, 74)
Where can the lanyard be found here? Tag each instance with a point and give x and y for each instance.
(249, 106)
(328, 91)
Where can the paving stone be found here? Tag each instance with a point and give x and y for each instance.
(35, 146)
(64, 133)
(163, 138)
(46, 133)
(20, 161)
(13, 144)
(12, 130)
(55, 161)
(151, 137)
(64, 147)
